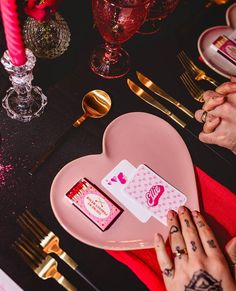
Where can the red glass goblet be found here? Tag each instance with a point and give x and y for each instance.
(158, 11)
(117, 21)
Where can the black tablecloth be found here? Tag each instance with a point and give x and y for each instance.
(64, 81)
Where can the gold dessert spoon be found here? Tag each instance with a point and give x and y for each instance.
(95, 104)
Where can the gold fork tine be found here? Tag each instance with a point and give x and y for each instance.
(190, 67)
(48, 241)
(33, 253)
(187, 63)
(25, 253)
(193, 89)
(43, 265)
(40, 225)
(27, 226)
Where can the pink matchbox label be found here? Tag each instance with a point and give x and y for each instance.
(100, 209)
(154, 193)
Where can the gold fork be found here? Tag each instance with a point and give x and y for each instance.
(48, 240)
(190, 67)
(195, 91)
(43, 265)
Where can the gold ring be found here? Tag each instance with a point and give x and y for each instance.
(179, 252)
(204, 116)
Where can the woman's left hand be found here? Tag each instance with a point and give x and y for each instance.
(197, 262)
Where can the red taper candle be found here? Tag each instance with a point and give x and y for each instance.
(15, 44)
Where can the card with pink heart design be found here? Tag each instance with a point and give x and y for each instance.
(131, 140)
(210, 45)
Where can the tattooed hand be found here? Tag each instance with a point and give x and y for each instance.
(220, 121)
(197, 262)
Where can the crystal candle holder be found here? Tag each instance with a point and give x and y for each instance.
(23, 101)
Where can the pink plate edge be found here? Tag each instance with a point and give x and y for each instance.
(201, 53)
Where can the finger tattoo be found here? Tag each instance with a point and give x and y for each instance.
(187, 222)
(200, 223)
(193, 244)
(168, 272)
(202, 278)
(174, 229)
(211, 244)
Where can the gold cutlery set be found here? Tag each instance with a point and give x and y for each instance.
(160, 92)
(194, 90)
(35, 245)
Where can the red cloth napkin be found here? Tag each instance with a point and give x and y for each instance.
(218, 205)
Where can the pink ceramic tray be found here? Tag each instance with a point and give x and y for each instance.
(214, 60)
(139, 138)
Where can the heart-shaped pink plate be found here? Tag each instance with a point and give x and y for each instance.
(207, 50)
(140, 138)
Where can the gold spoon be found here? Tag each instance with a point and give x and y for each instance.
(95, 104)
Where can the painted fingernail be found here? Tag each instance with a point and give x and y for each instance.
(195, 213)
(181, 210)
(170, 214)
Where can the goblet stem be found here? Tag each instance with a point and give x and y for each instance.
(110, 61)
(22, 101)
(112, 53)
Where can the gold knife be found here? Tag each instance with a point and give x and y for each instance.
(160, 92)
(153, 102)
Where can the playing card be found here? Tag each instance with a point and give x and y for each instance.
(116, 180)
(153, 193)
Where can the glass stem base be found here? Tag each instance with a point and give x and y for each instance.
(108, 63)
(24, 109)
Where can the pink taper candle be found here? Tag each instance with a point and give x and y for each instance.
(15, 44)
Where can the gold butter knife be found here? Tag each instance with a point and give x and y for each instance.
(160, 92)
(153, 102)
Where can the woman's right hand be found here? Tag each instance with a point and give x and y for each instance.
(220, 125)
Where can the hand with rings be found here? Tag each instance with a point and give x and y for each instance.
(218, 115)
(197, 263)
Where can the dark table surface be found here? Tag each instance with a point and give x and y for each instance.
(64, 81)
